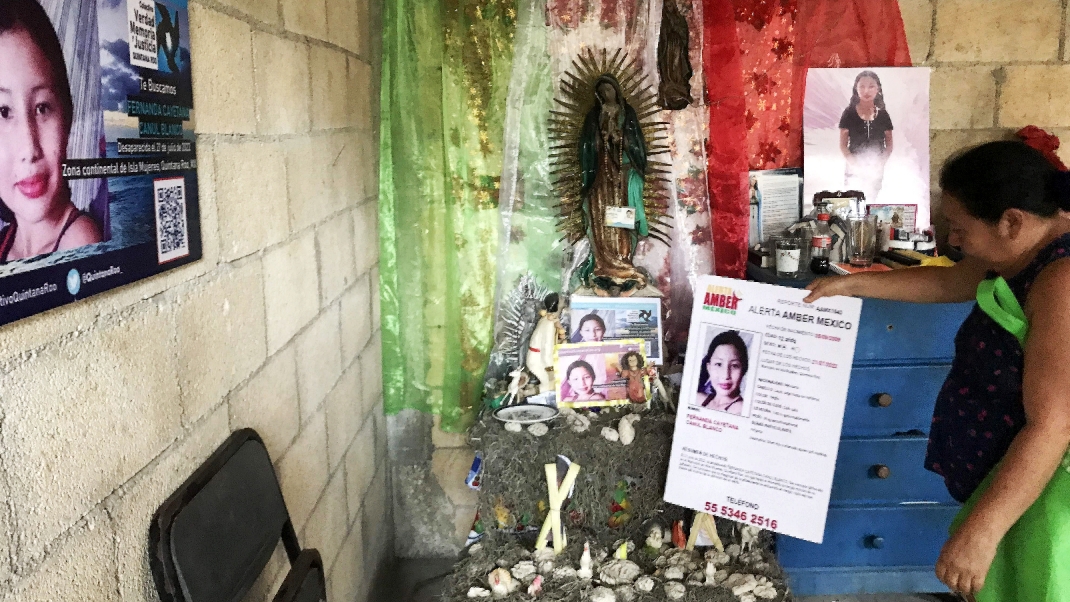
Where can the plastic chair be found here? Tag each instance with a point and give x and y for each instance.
(211, 539)
(306, 581)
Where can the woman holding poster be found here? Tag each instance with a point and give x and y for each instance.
(1001, 426)
(36, 114)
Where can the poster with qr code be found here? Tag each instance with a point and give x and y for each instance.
(98, 161)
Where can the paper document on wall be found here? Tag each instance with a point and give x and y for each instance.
(761, 405)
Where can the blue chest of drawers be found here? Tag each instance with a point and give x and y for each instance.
(888, 516)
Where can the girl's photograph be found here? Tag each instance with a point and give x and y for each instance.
(598, 374)
(591, 327)
(40, 214)
(726, 374)
(868, 130)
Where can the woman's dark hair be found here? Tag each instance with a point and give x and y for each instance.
(879, 100)
(579, 364)
(996, 176)
(576, 336)
(624, 360)
(28, 16)
(728, 337)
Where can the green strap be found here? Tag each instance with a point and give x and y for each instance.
(995, 298)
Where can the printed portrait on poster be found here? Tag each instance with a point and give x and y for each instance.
(98, 180)
(597, 319)
(595, 374)
(726, 375)
(867, 129)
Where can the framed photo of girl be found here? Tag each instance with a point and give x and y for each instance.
(98, 168)
(597, 319)
(597, 374)
(867, 129)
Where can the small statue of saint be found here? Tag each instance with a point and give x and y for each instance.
(544, 339)
(632, 370)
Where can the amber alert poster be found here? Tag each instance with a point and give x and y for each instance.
(98, 166)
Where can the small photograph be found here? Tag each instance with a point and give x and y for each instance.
(596, 374)
(726, 376)
(597, 319)
(893, 217)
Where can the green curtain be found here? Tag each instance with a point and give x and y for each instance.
(446, 70)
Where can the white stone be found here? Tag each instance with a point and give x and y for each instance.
(538, 429)
(697, 578)
(475, 549)
(546, 567)
(720, 576)
(524, 571)
(513, 427)
(747, 598)
(543, 554)
(610, 433)
(675, 590)
(748, 536)
(633, 418)
(602, 594)
(644, 583)
(748, 584)
(674, 573)
(577, 422)
(625, 593)
(733, 550)
(717, 558)
(619, 572)
(735, 579)
(478, 592)
(626, 431)
(564, 573)
(765, 590)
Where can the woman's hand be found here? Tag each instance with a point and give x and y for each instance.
(832, 286)
(965, 559)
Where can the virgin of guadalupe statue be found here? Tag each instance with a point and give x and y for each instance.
(605, 179)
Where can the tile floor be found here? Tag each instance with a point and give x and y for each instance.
(420, 580)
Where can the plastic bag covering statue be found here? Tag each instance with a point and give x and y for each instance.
(602, 167)
(674, 63)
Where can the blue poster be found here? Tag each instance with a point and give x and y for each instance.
(98, 165)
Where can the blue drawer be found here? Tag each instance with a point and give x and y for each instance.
(883, 471)
(904, 535)
(893, 331)
(911, 392)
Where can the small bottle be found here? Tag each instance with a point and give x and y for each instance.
(820, 245)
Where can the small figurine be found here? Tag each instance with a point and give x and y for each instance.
(654, 541)
(501, 583)
(633, 371)
(678, 538)
(585, 571)
(621, 507)
(748, 537)
(519, 380)
(540, 355)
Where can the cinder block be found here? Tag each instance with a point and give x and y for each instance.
(345, 580)
(360, 467)
(356, 310)
(319, 361)
(306, 17)
(337, 271)
(450, 467)
(303, 470)
(282, 82)
(376, 301)
(997, 30)
(206, 199)
(81, 567)
(368, 143)
(310, 163)
(366, 236)
(943, 144)
(83, 417)
(1035, 95)
(133, 506)
(342, 24)
(371, 363)
(251, 186)
(344, 414)
(378, 524)
(918, 23)
(363, 95)
(268, 403)
(266, 11)
(222, 72)
(962, 98)
(221, 338)
(329, 523)
(329, 89)
(291, 289)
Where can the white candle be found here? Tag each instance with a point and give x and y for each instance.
(787, 260)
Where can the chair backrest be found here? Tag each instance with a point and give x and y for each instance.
(213, 537)
(306, 582)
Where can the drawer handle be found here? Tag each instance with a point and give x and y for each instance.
(874, 542)
(880, 471)
(882, 399)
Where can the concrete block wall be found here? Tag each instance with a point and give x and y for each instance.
(998, 65)
(107, 405)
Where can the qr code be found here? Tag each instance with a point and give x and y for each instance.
(172, 233)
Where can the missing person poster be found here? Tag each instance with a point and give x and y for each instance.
(761, 405)
(597, 319)
(98, 170)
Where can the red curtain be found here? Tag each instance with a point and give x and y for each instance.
(755, 57)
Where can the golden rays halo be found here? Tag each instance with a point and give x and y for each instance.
(575, 98)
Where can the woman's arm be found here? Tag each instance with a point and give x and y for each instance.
(955, 284)
(844, 139)
(1036, 451)
(887, 144)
